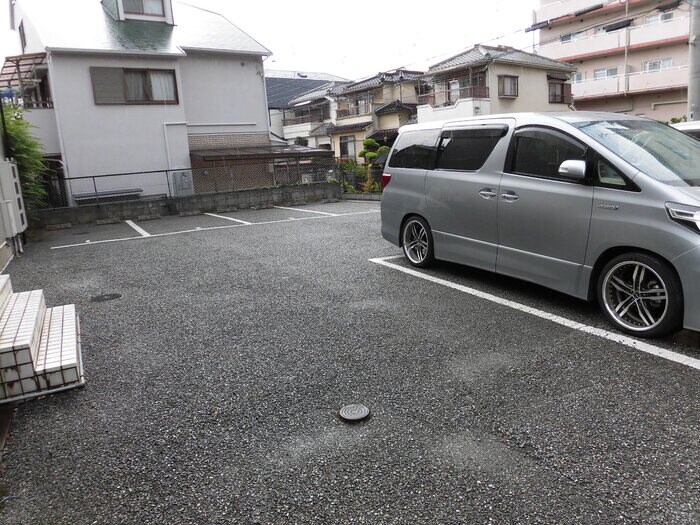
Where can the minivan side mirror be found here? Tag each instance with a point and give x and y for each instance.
(573, 169)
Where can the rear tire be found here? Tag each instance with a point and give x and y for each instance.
(417, 242)
(641, 295)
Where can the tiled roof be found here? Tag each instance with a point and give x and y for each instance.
(303, 75)
(386, 135)
(480, 55)
(359, 126)
(281, 90)
(322, 91)
(394, 107)
(388, 77)
(84, 25)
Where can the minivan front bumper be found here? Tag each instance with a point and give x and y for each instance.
(688, 268)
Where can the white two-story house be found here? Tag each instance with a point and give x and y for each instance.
(134, 86)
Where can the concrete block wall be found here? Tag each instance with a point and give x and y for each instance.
(228, 140)
(201, 203)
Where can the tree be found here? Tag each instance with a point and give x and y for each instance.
(29, 157)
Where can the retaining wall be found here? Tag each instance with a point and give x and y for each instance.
(193, 204)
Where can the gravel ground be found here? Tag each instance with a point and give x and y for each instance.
(214, 384)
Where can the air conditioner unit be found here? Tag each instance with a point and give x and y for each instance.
(12, 201)
(181, 183)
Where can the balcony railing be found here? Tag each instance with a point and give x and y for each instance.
(354, 111)
(306, 119)
(449, 97)
(37, 104)
(637, 82)
(641, 35)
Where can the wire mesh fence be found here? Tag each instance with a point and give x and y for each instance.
(77, 191)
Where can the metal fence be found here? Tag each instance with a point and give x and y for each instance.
(76, 191)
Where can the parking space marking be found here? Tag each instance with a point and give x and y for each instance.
(307, 211)
(598, 332)
(140, 230)
(227, 218)
(227, 227)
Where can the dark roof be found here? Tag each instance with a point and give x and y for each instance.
(325, 90)
(261, 152)
(358, 126)
(395, 107)
(281, 90)
(482, 55)
(85, 26)
(386, 135)
(387, 77)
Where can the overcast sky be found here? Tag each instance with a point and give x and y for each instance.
(345, 40)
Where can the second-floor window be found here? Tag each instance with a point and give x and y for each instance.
(572, 36)
(657, 18)
(507, 86)
(578, 77)
(144, 7)
(113, 85)
(658, 65)
(605, 72)
(559, 93)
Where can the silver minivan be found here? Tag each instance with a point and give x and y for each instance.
(595, 205)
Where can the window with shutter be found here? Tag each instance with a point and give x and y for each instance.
(107, 85)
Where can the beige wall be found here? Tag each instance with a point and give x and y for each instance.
(359, 137)
(658, 106)
(533, 90)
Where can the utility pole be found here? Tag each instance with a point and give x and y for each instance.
(694, 62)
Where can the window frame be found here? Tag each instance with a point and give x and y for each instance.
(510, 157)
(342, 143)
(141, 13)
(503, 128)
(607, 72)
(565, 96)
(126, 101)
(502, 86)
(22, 36)
(660, 61)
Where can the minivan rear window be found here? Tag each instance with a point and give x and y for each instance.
(468, 149)
(415, 149)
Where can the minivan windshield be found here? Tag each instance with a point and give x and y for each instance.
(660, 151)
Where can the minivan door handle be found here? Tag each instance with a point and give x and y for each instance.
(488, 193)
(509, 196)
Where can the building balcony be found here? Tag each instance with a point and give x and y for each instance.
(306, 119)
(640, 82)
(558, 8)
(353, 112)
(449, 97)
(672, 31)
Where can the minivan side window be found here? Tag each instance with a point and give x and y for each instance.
(539, 152)
(468, 149)
(415, 149)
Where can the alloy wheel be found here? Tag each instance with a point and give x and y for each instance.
(635, 296)
(416, 243)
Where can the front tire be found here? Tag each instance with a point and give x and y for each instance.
(641, 294)
(417, 242)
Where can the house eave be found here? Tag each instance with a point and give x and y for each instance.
(123, 52)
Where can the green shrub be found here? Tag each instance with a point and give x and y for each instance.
(27, 153)
(371, 155)
(370, 144)
(383, 149)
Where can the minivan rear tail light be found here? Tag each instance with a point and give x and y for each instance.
(386, 178)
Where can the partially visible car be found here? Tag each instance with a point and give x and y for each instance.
(689, 128)
(595, 205)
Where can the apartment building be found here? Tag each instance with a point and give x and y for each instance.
(631, 56)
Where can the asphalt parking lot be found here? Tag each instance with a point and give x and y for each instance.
(215, 380)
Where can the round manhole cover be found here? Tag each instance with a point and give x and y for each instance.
(105, 297)
(354, 412)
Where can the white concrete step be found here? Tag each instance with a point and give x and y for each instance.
(58, 363)
(5, 291)
(20, 328)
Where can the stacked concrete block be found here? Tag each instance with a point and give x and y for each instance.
(39, 346)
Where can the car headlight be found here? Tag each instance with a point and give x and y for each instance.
(684, 214)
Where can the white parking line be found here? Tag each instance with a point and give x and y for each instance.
(307, 211)
(156, 235)
(604, 334)
(227, 218)
(140, 230)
